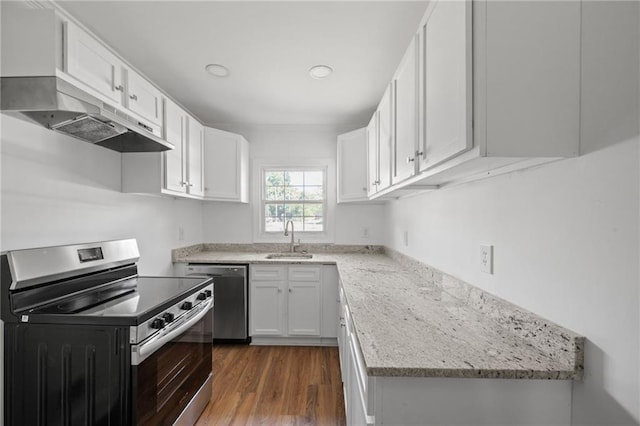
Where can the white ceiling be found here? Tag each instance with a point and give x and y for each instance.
(268, 48)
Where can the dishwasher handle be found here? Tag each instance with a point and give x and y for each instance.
(217, 270)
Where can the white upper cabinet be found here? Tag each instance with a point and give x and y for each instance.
(496, 89)
(91, 62)
(380, 140)
(58, 46)
(444, 83)
(405, 109)
(226, 156)
(352, 166)
(385, 138)
(142, 97)
(178, 172)
(206, 164)
(195, 158)
(373, 172)
(175, 129)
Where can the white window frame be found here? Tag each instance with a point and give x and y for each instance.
(260, 166)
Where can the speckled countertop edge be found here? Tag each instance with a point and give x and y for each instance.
(522, 345)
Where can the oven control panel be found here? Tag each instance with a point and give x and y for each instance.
(166, 318)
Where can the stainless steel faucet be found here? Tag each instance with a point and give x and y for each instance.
(286, 233)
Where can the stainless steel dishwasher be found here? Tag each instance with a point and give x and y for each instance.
(230, 299)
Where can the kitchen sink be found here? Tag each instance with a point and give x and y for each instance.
(289, 256)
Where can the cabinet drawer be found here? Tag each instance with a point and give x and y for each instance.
(267, 273)
(304, 273)
(358, 362)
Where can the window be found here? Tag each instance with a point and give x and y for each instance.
(292, 194)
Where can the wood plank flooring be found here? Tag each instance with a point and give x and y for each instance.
(275, 385)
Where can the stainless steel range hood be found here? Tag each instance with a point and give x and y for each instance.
(61, 106)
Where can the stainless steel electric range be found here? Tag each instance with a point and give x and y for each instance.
(89, 341)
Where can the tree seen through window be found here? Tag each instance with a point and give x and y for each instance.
(296, 195)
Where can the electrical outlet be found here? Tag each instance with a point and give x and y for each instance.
(405, 237)
(486, 258)
(180, 233)
(365, 232)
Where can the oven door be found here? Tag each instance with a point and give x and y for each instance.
(171, 372)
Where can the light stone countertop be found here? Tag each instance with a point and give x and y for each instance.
(412, 320)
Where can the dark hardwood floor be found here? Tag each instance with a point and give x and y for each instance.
(275, 385)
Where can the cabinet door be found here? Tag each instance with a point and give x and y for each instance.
(372, 155)
(226, 158)
(405, 102)
(195, 177)
(330, 301)
(93, 64)
(266, 313)
(352, 166)
(175, 126)
(445, 83)
(385, 138)
(304, 308)
(143, 98)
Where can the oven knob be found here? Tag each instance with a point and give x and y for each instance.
(208, 293)
(168, 316)
(202, 296)
(157, 323)
(186, 306)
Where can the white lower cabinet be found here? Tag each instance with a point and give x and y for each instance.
(288, 301)
(358, 402)
(304, 308)
(267, 308)
(402, 400)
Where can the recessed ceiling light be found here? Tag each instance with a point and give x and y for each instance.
(320, 71)
(217, 70)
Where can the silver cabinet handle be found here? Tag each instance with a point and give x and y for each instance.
(410, 159)
(189, 184)
(183, 183)
(119, 88)
(419, 153)
(134, 97)
(375, 182)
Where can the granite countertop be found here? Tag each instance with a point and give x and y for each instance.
(412, 320)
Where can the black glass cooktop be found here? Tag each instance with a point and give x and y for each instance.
(127, 302)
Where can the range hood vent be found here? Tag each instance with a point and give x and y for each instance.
(60, 106)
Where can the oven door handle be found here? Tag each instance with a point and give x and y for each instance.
(142, 351)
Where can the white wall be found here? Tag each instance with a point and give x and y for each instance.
(565, 235)
(226, 222)
(58, 190)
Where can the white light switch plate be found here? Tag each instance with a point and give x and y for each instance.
(486, 258)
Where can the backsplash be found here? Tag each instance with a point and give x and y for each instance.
(277, 248)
